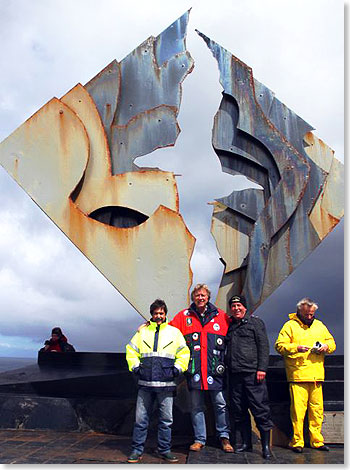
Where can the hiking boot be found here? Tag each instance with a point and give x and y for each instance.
(134, 457)
(169, 457)
(225, 445)
(196, 446)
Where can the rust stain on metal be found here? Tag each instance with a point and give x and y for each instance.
(81, 161)
(80, 169)
(256, 135)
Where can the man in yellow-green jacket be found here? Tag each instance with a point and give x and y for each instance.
(156, 354)
(303, 342)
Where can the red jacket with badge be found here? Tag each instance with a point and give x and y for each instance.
(205, 339)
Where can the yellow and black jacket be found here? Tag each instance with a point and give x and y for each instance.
(157, 354)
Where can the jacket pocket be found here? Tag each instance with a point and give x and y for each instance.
(145, 371)
(168, 373)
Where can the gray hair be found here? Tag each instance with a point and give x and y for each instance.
(306, 301)
(199, 287)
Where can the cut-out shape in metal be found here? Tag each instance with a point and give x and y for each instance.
(75, 159)
(264, 234)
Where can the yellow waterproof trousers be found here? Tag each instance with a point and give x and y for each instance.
(306, 396)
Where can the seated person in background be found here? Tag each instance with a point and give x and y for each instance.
(57, 343)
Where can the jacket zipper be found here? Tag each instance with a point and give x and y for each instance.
(156, 336)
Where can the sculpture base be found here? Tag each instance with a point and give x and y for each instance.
(96, 392)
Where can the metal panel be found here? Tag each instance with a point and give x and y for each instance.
(258, 136)
(63, 157)
(139, 98)
(99, 187)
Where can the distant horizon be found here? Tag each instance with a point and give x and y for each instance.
(18, 357)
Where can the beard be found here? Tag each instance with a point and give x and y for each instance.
(306, 321)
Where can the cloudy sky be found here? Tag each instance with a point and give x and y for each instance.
(295, 47)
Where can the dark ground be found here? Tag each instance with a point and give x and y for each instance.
(50, 447)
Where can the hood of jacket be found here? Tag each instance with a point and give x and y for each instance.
(295, 316)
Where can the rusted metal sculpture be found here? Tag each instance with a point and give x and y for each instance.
(75, 159)
(264, 234)
(76, 156)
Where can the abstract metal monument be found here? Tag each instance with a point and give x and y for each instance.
(264, 234)
(75, 159)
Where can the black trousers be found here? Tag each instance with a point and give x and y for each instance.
(246, 393)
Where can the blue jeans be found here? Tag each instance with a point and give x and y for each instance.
(198, 417)
(144, 408)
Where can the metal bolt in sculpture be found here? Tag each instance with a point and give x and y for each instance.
(75, 158)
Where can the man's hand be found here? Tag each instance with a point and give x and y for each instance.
(303, 348)
(260, 376)
(324, 348)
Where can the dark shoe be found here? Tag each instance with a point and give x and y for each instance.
(322, 448)
(246, 433)
(244, 448)
(265, 444)
(134, 457)
(169, 457)
(196, 446)
(226, 445)
(297, 450)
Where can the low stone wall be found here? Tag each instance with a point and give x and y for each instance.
(95, 392)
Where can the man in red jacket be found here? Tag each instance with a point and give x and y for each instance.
(204, 327)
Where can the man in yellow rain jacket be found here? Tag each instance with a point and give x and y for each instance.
(303, 342)
(156, 354)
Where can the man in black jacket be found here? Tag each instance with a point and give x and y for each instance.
(247, 357)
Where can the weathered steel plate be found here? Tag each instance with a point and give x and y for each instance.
(138, 99)
(256, 135)
(74, 158)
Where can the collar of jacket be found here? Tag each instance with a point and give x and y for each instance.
(153, 325)
(294, 316)
(210, 312)
(209, 308)
(242, 321)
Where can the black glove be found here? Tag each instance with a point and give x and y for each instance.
(136, 370)
(176, 371)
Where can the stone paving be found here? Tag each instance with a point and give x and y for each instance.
(281, 456)
(51, 447)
